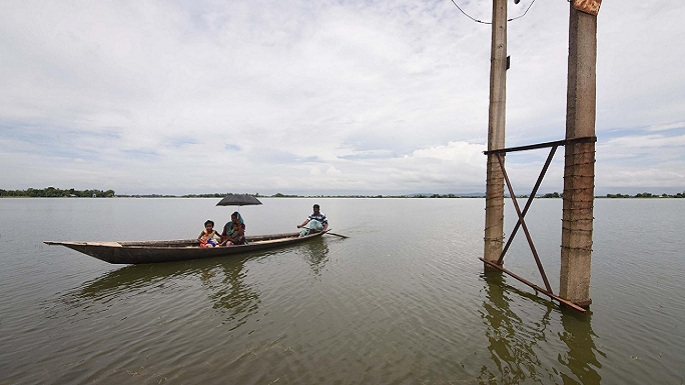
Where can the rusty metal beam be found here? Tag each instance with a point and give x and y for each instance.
(585, 139)
(536, 287)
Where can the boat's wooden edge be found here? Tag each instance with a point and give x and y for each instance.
(263, 238)
(65, 243)
(106, 244)
(118, 243)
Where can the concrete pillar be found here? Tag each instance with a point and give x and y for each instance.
(494, 190)
(579, 169)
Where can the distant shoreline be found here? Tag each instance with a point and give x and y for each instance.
(52, 192)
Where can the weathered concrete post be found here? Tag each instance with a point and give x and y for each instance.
(494, 190)
(579, 169)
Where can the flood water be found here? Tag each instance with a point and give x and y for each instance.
(403, 300)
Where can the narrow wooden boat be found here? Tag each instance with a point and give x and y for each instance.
(179, 249)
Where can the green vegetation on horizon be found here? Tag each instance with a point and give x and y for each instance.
(52, 192)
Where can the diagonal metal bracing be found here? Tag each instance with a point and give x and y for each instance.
(529, 201)
(521, 223)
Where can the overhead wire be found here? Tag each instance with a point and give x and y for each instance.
(489, 22)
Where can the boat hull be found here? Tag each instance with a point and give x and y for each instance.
(177, 250)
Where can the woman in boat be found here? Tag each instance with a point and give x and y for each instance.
(209, 237)
(234, 231)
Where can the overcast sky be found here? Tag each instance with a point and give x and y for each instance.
(324, 97)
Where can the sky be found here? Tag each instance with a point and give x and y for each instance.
(339, 97)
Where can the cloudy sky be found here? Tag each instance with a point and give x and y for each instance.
(324, 97)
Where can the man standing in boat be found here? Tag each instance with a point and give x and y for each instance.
(315, 222)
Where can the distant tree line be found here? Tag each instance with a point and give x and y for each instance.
(52, 192)
(647, 195)
(213, 195)
(638, 195)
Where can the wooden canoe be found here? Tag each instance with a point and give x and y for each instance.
(131, 252)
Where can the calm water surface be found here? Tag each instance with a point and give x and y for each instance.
(402, 301)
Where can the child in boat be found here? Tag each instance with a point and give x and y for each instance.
(209, 237)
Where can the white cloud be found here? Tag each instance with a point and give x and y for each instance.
(305, 97)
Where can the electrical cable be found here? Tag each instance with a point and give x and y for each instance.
(489, 22)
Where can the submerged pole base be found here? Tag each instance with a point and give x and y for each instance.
(562, 301)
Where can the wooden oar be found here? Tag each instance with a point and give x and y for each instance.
(329, 232)
(337, 235)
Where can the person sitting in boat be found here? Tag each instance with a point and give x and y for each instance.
(315, 222)
(234, 231)
(209, 237)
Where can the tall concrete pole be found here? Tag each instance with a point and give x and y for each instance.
(494, 190)
(579, 169)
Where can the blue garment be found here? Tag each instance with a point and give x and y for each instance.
(321, 218)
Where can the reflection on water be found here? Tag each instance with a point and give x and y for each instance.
(512, 355)
(223, 281)
(519, 347)
(317, 254)
(580, 358)
(130, 278)
(229, 293)
(99, 294)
